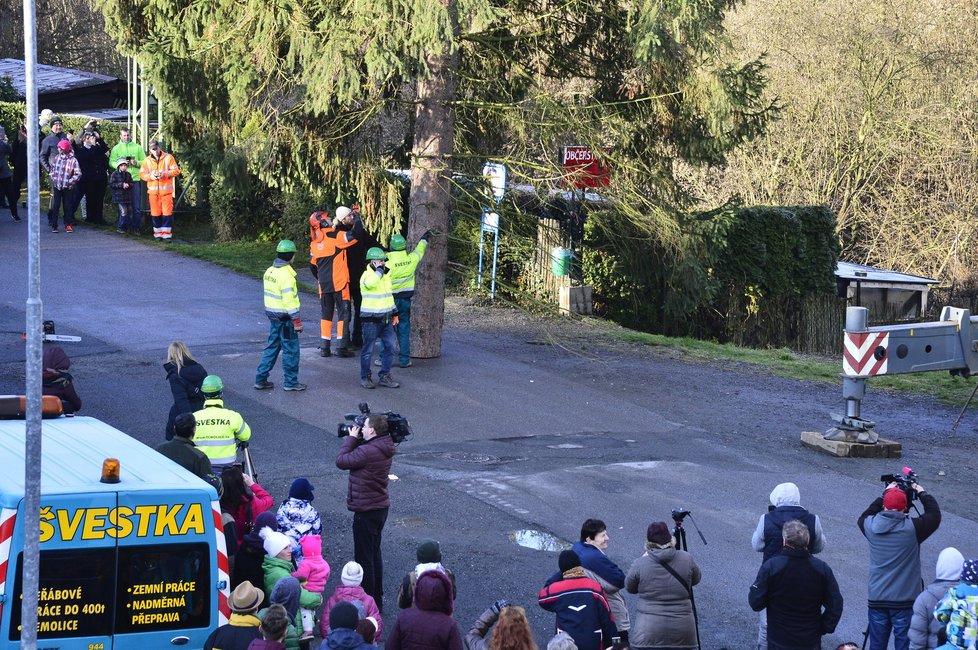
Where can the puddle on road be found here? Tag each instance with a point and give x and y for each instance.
(538, 540)
(565, 445)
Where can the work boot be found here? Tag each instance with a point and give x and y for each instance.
(296, 387)
(387, 381)
(344, 352)
(324, 350)
(264, 385)
(367, 382)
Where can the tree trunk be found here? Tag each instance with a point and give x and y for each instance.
(430, 201)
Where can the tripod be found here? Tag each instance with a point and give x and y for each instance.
(679, 541)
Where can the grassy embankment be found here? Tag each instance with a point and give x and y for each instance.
(251, 258)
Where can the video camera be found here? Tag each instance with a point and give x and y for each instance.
(678, 514)
(904, 481)
(398, 427)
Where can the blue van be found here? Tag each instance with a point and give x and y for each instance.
(132, 565)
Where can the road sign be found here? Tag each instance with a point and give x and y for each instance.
(582, 167)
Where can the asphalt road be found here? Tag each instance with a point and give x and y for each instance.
(520, 425)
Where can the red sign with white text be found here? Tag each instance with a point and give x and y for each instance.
(582, 168)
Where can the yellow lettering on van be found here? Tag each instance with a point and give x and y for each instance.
(94, 526)
(194, 521)
(119, 519)
(69, 526)
(144, 513)
(47, 528)
(166, 520)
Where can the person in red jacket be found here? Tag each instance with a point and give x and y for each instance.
(368, 453)
(429, 623)
(243, 499)
(579, 604)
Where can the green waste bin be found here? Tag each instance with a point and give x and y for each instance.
(560, 260)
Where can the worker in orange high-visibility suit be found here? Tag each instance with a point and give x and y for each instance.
(158, 171)
(327, 250)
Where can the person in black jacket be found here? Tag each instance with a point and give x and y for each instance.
(243, 627)
(185, 376)
(92, 155)
(7, 191)
(799, 592)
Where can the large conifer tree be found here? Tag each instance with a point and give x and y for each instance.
(307, 91)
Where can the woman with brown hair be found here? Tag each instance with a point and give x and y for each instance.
(663, 578)
(185, 376)
(512, 629)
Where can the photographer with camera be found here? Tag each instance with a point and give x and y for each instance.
(368, 453)
(894, 557)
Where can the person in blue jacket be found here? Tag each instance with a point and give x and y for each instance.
(591, 549)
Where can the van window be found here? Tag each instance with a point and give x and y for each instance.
(77, 589)
(163, 587)
(159, 587)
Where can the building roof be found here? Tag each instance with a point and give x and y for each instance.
(50, 78)
(861, 272)
(69, 91)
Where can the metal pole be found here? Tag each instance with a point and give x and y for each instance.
(143, 108)
(32, 456)
(495, 256)
(482, 237)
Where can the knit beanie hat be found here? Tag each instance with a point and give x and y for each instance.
(266, 519)
(301, 489)
(895, 499)
(343, 615)
(429, 552)
(352, 574)
(949, 564)
(658, 533)
(342, 212)
(568, 560)
(969, 571)
(274, 541)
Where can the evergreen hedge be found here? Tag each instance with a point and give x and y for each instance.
(741, 275)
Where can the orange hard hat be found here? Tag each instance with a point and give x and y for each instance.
(315, 220)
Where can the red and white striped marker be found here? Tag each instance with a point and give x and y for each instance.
(8, 517)
(858, 359)
(223, 604)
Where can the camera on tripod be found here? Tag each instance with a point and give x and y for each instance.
(678, 514)
(397, 426)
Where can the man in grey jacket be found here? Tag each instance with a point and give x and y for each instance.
(894, 562)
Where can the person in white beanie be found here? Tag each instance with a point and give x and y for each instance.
(278, 564)
(351, 592)
(924, 628)
(767, 539)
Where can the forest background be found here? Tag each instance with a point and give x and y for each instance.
(710, 109)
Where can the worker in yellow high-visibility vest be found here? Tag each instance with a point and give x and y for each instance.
(218, 429)
(282, 309)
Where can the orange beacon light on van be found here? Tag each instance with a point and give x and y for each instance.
(110, 470)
